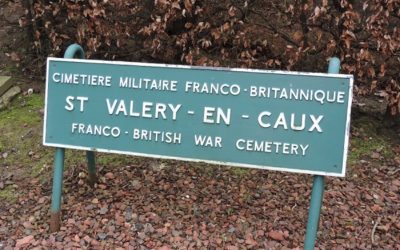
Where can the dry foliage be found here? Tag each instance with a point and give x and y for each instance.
(290, 35)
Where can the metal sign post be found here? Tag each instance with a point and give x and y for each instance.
(72, 51)
(317, 193)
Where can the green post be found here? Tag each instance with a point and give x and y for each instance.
(73, 51)
(76, 51)
(92, 178)
(57, 190)
(317, 192)
(314, 211)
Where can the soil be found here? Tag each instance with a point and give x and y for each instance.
(141, 203)
(11, 34)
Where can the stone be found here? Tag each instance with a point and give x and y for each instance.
(5, 84)
(8, 96)
(24, 241)
(374, 106)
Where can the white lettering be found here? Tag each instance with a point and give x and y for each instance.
(269, 147)
(316, 122)
(210, 112)
(281, 121)
(208, 141)
(70, 105)
(95, 130)
(260, 121)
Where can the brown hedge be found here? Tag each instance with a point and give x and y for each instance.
(289, 35)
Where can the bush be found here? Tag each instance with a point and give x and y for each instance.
(288, 35)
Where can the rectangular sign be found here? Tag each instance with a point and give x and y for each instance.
(288, 121)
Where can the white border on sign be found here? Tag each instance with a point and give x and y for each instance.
(291, 170)
(195, 160)
(161, 65)
(347, 131)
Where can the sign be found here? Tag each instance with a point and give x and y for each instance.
(288, 121)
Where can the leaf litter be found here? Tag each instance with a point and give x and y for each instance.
(152, 204)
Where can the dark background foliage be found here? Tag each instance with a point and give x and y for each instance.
(290, 35)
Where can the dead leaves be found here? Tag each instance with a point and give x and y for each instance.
(24, 241)
(197, 207)
(364, 36)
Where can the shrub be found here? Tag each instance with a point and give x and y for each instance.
(290, 35)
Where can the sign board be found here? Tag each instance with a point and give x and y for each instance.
(288, 121)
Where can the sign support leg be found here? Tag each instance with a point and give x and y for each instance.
(91, 167)
(76, 51)
(72, 51)
(317, 192)
(314, 211)
(55, 220)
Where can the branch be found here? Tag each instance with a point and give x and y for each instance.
(274, 29)
(283, 35)
(303, 21)
(338, 6)
(373, 230)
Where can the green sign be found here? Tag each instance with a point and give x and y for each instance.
(288, 121)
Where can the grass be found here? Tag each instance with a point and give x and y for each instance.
(20, 129)
(105, 159)
(21, 140)
(239, 171)
(8, 194)
(10, 69)
(369, 140)
(21, 126)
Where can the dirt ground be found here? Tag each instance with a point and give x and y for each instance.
(142, 203)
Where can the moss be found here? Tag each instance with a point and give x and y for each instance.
(24, 111)
(10, 69)
(8, 194)
(21, 139)
(361, 148)
(370, 137)
(239, 171)
(115, 159)
(21, 130)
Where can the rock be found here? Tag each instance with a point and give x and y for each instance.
(164, 248)
(137, 227)
(128, 214)
(8, 96)
(276, 235)
(148, 228)
(102, 236)
(371, 105)
(24, 241)
(27, 224)
(103, 210)
(156, 166)
(14, 57)
(5, 84)
(136, 184)
(12, 13)
(109, 175)
(375, 155)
